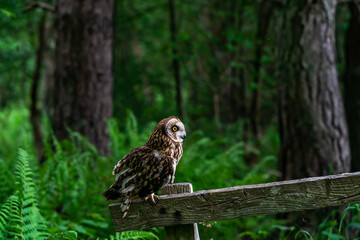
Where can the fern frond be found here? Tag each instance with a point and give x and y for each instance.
(117, 139)
(68, 235)
(81, 142)
(138, 235)
(132, 130)
(34, 225)
(10, 219)
(133, 235)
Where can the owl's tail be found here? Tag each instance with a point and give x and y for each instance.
(112, 193)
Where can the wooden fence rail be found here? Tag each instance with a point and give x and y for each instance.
(241, 201)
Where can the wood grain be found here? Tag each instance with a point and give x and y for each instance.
(241, 201)
(183, 231)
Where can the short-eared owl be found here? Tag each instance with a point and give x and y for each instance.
(146, 169)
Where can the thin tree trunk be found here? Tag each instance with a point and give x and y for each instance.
(314, 137)
(236, 94)
(238, 99)
(47, 88)
(175, 59)
(265, 12)
(216, 106)
(352, 83)
(83, 72)
(34, 109)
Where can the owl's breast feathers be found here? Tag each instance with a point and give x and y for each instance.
(141, 172)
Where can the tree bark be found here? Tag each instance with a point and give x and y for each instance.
(175, 59)
(313, 132)
(265, 12)
(352, 83)
(83, 71)
(34, 109)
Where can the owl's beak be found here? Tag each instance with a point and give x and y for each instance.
(183, 136)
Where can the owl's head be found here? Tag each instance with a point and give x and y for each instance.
(174, 129)
(169, 129)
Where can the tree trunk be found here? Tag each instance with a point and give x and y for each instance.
(236, 95)
(175, 59)
(83, 71)
(352, 83)
(314, 137)
(34, 109)
(265, 12)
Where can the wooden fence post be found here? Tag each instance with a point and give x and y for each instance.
(185, 231)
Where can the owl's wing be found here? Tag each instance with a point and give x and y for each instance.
(123, 170)
(143, 172)
(130, 161)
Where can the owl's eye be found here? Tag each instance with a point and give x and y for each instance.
(175, 128)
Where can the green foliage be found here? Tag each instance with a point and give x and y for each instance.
(10, 219)
(68, 235)
(15, 133)
(7, 181)
(20, 216)
(7, 13)
(70, 182)
(223, 163)
(74, 176)
(138, 235)
(349, 209)
(17, 48)
(133, 235)
(34, 224)
(69, 185)
(128, 137)
(306, 235)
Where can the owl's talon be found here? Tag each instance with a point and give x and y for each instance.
(156, 199)
(152, 199)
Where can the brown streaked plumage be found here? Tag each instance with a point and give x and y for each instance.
(146, 169)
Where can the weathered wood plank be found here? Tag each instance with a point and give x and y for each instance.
(183, 231)
(241, 201)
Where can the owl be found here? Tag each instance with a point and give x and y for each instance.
(146, 169)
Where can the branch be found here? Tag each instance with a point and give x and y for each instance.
(42, 5)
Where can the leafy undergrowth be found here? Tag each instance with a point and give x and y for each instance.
(61, 199)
